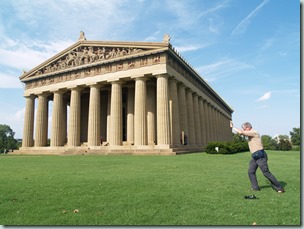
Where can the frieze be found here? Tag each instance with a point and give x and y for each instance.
(92, 71)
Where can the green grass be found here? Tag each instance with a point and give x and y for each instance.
(193, 189)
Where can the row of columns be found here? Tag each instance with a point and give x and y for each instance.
(176, 111)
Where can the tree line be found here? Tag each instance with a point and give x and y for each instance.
(281, 142)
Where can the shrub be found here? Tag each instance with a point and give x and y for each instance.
(226, 147)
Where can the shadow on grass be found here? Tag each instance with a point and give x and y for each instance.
(269, 185)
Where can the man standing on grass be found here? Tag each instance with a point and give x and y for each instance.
(259, 157)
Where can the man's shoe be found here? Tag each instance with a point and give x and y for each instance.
(281, 190)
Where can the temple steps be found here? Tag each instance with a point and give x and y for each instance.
(109, 150)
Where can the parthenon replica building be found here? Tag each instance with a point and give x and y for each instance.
(112, 97)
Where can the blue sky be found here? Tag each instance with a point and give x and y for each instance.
(247, 50)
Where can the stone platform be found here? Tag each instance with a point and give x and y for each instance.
(108, 150)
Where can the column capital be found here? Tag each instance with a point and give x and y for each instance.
(189, 90)
(162, 75)
(120, 82)
(196, 94)
(31, 96)
(77, 88)
(95, 85)
(44, 94)
(143, 78)
(58, 91)
(173, 79)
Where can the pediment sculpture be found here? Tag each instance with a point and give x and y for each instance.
(86, 55)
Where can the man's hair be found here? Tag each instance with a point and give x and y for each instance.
(247, 124)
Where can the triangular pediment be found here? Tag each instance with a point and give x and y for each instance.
(89, 53)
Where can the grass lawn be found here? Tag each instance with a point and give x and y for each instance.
(192, 189)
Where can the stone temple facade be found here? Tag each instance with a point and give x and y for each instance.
(120, 98)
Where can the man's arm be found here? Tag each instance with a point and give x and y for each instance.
(236, 129)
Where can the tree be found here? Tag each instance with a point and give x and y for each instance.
(295, 136)
(269, 143)
(284, 144)
(7, 140)
(238, 138)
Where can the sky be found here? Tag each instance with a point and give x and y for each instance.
(248, 51)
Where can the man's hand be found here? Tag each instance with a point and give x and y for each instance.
(231, 124)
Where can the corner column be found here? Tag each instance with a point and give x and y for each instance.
(28, 129)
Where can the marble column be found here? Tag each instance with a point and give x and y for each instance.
(183, 113)
(151, 111)
(202, 119)
(174, 112)
(210, 123)
(163, 116)
(74, 117)
(116, 114)
(109, 116)
(207, 121)
(64, 121)
(57, 119)
(140, 122)
(94, 116)
(197, 120)
(191, 134)
(41, 131)
(130, 115)
(28, 129)
(103, 114)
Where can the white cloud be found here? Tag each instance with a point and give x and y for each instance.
(9, 81)
(16, 54)
(266, 96)
(222, 69)
(242, 26)
(187, 48)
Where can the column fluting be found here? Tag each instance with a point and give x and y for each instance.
(183, 113)
(28, 128)
(140, 122)
(57, 119)
(130, 115)
(197, 120)
(191, 134)
(174, 113)
(74, 118)
(151, 111)
(163, 116)
(94, 116)
(116, 114)
(41, 130)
